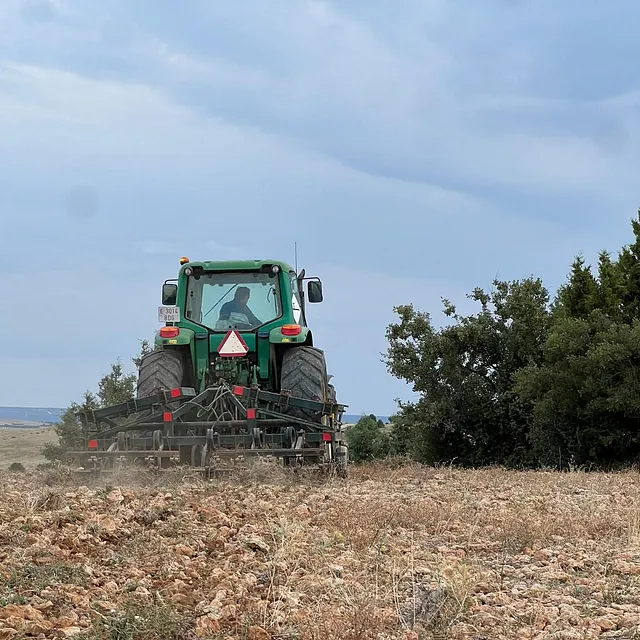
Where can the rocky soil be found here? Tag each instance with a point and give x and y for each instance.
(391, 553)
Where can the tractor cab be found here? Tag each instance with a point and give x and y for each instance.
(241, 296)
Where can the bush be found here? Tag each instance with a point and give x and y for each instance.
(368, 439)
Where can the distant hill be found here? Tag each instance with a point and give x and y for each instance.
(52, 415)
(45, 415)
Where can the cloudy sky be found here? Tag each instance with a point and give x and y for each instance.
(414, 149)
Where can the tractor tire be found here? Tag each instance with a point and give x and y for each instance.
(304, 374)
(160, 370)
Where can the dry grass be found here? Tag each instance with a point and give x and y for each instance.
(24, 446)
(402, 552)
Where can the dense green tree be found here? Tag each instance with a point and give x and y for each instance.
(585, 390)
(555, 385)
(628, 273)
(368, 439)
(468, 411)
(580, 295)
(610, 286)
(524, 382)
(586, 393)
(404, 433)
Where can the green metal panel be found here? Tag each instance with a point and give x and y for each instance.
(264, 356)
(201, 361)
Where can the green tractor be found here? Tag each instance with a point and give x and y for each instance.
(234, 373)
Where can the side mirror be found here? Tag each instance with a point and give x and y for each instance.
(314, 291)
(169, 294)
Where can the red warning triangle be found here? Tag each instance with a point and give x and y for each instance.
(233, 346)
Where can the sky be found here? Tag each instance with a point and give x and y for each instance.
(413, 149)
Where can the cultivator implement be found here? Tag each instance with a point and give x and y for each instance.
(219, 429)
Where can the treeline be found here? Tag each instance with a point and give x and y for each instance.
(527, 381)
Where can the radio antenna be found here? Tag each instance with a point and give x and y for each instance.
(295, 256)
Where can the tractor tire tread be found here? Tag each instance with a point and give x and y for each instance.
(160, 370)
(304, 374)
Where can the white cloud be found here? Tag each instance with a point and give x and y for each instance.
(397, 112)
(79, 131)
(103, 122)
(357, 92)
(340, 127)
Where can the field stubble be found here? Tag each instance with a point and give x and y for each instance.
(24, 446)
(394, 552)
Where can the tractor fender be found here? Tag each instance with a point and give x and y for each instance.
(184, 337)
(305, 337)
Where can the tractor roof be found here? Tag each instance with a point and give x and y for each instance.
(236, 265)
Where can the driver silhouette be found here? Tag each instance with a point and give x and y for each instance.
(239, 305)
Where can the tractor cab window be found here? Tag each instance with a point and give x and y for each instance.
(242, 301)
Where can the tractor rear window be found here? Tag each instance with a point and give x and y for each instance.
(223, 301)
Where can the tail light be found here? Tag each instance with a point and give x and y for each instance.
(291, 330)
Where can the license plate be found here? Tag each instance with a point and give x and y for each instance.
(168, 314)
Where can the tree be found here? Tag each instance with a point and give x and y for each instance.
(113, 388)
(610, 286)
(581, 294)
(585, 391)
(404, 432)
(465, 373)
(525, 382)
(368, 440)
(628, 275)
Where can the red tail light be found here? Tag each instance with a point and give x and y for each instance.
(169, 332)
(291, 330)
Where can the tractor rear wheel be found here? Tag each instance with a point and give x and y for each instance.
(304, 374)
(160, 370)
